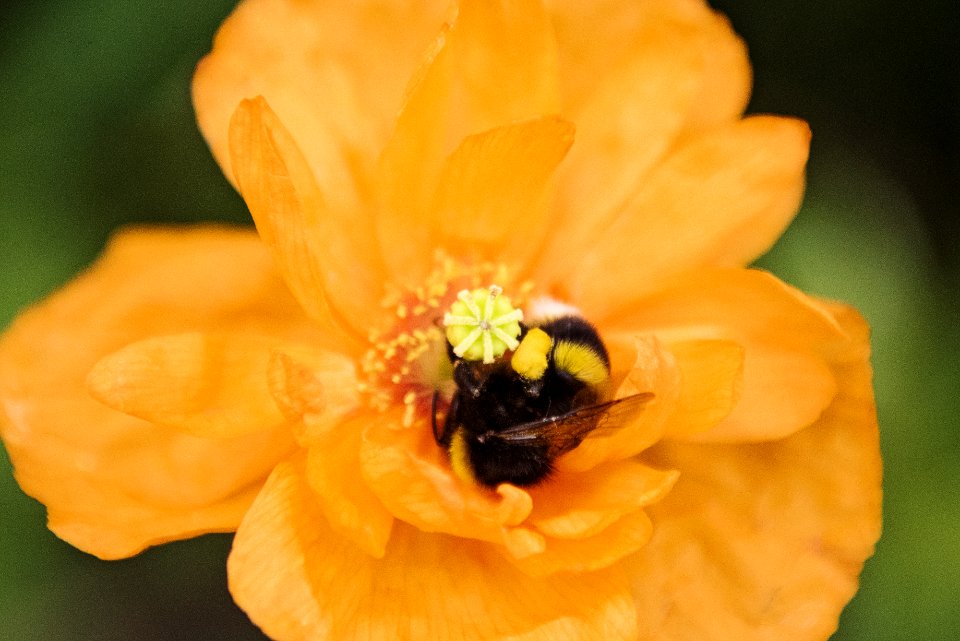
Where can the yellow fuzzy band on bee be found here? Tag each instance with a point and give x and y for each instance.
(582, 362)
(460, 457)
(530, 359)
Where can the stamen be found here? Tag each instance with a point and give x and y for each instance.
(482, 324)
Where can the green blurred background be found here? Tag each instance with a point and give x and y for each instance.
(96, 130)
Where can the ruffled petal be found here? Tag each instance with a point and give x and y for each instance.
(727, 78)
(720, 199)
(411, 475)
(596, 37)
(644, 91)
(587, 521)
(765, 541)
(334, 474)
(299, 580)
(506, 63)
(711, 373)
(496, 64)
(578, 505)
(114, 484)
(652, 370)
(548, 557)
(787, 338)
(208, 385)
(338, 99)
(325, 254)
(315, 389)
(491, 177)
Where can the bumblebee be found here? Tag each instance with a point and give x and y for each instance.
(509, 420)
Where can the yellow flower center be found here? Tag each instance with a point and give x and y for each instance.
(482, 324)
(407, 359)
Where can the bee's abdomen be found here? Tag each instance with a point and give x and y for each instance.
(494, 462)
(578, 351)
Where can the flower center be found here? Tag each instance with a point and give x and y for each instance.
(407, 359)
(482, 324)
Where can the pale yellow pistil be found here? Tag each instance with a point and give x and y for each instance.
(482, 324)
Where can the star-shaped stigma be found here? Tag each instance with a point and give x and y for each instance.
(482, 324)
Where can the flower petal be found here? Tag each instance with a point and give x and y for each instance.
(208, 385)
(491, 177)
(338, 99)
(299, 580)
(653, 370)
(721, 199)
(325, 254)
(597, 36)
(120, 484)
(624, 536)
(495, 65)
(712, 383)
(587, 521)
(411, 475)
(727, 78)
(626, 123)
(788, 341)
(637, 77)
(576, 505)
(765, 541)
(351, 508)
(315, 389)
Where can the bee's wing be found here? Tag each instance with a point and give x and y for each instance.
(560, 434)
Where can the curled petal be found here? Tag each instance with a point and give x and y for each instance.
(338, 99)
(586, 521)
(495, 65)
(624, 536)
(208, 385)
(788, 341)
(711, 374)
(411, 476)
(122, 483)
(334, 474)
(766, 540)
(579, 505)
(324, 253)
(489, 178)
(782, 390)
(720, 199)
(287, 569)
(315, 389)
(594, 38)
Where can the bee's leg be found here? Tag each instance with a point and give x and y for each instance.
(433, 416)
(442, 435)
(467, 379)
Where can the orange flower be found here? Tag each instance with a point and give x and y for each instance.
(200, 380)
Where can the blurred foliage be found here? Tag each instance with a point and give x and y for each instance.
(97, 131)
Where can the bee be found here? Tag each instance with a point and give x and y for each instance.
(508, 421)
